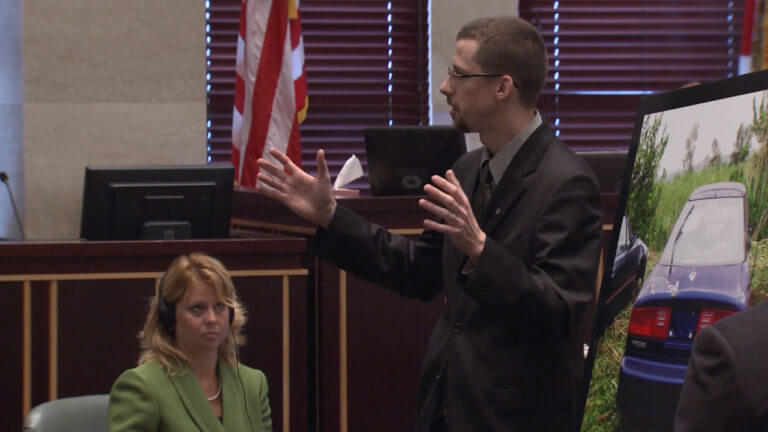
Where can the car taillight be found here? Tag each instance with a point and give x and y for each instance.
(711, 316)
(650, 322)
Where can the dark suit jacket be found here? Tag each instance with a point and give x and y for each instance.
(726, 385)
(145, 398)
(506, 354)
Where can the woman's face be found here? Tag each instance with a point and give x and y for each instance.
(202, 320)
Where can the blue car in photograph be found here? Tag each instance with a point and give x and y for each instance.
(701, 277)
(627, 274)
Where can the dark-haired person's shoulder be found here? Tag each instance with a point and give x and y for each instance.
(726, 386)
(746, 334)
(756, 316)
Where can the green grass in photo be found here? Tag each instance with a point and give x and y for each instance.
(675, 193)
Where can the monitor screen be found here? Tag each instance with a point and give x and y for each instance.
(401, 159)
(694, 196)
(159, 202)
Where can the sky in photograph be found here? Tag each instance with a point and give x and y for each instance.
(717, 119)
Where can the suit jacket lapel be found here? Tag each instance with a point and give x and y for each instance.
(468, 177)
(196, 403)
(512, 183)
(232, 399)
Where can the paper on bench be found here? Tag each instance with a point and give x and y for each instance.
(351, 171)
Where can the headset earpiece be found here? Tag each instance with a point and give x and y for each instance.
(231, 313)
(166, 312)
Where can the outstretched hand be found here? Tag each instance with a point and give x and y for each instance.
(309, 197)
(449, 204)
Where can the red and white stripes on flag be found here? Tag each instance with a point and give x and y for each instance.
(270, 85)
(745, 54)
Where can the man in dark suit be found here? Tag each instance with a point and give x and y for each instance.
(726, 385)
(513, 243)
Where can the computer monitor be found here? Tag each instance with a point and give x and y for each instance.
(157, 202)
(694, 169)
(401, 159)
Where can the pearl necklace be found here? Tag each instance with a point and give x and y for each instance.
(214, 397)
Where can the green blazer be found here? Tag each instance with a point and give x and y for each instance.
(145, 398)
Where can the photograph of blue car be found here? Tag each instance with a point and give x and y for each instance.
(691, 248)
(701, 277)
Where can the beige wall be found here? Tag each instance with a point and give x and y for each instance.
(123, 82)
(447, 18)
(11, 108)
(107, 82)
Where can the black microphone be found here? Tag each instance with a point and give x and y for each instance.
(4, 179)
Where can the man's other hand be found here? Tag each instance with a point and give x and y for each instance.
(449, 205)
(309, 197)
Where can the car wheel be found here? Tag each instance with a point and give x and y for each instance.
(639, 278)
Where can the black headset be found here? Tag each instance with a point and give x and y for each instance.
(166, 311)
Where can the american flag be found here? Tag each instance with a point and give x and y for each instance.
(270, 85)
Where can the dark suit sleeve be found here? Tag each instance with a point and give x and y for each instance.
(410, 267)
(559, 284)
(712, 398)
(132, 405)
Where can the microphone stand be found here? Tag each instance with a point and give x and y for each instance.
(4, 179)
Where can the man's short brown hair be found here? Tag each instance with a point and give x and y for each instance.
(513, 46)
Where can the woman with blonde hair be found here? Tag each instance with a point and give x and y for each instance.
(188, 376)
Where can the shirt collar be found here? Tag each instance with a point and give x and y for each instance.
(499, 163)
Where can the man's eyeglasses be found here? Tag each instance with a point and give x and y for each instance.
(453, 76)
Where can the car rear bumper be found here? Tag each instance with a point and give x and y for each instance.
(648, 390)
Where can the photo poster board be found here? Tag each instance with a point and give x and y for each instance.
(682, 140)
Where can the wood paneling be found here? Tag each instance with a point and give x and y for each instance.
(88, 301)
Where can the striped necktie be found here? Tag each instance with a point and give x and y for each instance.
(483, 192)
